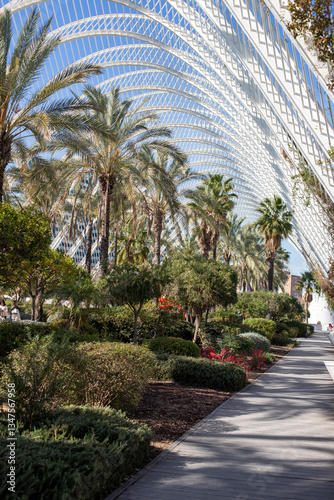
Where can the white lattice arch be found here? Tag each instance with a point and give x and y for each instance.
(230, 81)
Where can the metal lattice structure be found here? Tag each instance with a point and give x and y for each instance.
(241, 95)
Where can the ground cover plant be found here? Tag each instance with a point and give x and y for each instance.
(78, 452)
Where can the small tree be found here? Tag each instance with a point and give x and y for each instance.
(198, 284)
(24, 238)
(133, 286)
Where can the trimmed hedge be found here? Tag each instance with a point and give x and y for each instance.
(172, 345)
(260, 341)
(262, 325)
(199, 372)
(78, 453)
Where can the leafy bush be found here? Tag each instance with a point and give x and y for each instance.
(238, 344)
(14, 334)
(282, 340)
(269, 358)
(279, 305)
(220, 314)
(117, 324)
(267, 326)
(295, 328)
(211, 334)
(42, 372)
(260, 341)
(199, 372)
(112, 374)
(173, 345)
(77, 453)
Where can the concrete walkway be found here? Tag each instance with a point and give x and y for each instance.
(272, 440)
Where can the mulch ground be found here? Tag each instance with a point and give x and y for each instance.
(171, 409)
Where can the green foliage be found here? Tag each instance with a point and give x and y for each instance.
(269, 358)
(24, 237)
(199, 372)
(238, 344)
(282, 339)
(133, 285)
(172, 345)
(295, 329)
(260, 341)
(267, 326)
(77, 452)
(12, 335)
(228, 316)
(42, 373)
(313, 19)
(260, 304)
(112, 374)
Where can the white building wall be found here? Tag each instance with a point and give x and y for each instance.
(319, 311)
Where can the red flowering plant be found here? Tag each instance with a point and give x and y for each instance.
(255, 360)
(165, 303)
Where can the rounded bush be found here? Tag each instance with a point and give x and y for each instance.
(112, 374)
(267, 326)
(199, 372)
(173, 345)
(260, 341)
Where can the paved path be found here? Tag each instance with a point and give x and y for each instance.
(272, 441)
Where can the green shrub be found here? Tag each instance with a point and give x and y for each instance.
(172, 345)
(112, 374)
(42, 373)
(282, 339)
(220, 314)
(267, 326)
(238, 344)
(295, 328)
(260, 341)
(78, 453)
(14, 334)
(199, 372)
(211, 334)
(269, 358)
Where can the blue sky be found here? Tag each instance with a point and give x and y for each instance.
(297, 263)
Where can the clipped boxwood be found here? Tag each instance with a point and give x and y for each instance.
(262, 325)
(260, 341)
(295, 328)
(199, 372)
(173, 345)
(77, 452)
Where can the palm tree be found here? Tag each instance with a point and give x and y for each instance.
(247, 258)
(307, 283)
(160, 189)
(112, 148)
(229, 236)
(25, 110)
(211, 203)
(275, 223)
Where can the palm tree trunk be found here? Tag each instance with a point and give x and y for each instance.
(106, 185)
(271, 261)
(5, 151)
(157, 230)
(306, 312)
(227, 258)
(88, 263)
(214, 251)
(115, 246)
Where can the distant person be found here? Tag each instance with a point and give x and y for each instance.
(14, 312)
(3, 309)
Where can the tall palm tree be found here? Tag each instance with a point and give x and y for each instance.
(246, 256)
(275, 223)
(111, 149)
(161, 189)
(211, 203)
(229, 236)
(25, 109)
(307, 283)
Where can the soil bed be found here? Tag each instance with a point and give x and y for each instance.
(171, 409)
